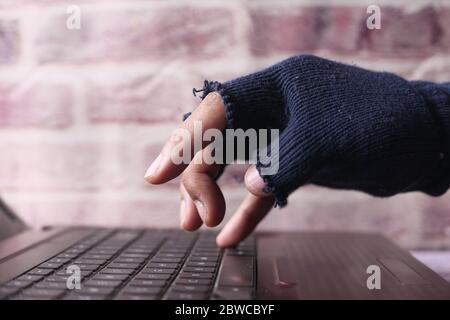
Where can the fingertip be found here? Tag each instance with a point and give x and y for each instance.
(151, 173)
(213, 219)
(155, 180)
(219, 242)
(222, 241)
(211, 114)
(190, 226)
(230, 235)
(160, 170)
(165, 172)
(206, 196)
(152, 180)
(244, 221)
(254, 183)
(189, 218)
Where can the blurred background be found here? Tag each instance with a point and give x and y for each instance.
(84, 111)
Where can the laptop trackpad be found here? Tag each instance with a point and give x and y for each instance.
(404, 273)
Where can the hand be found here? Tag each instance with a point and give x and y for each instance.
(341, 127)
(202, 200)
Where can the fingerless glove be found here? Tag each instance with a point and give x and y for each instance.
(342, 126)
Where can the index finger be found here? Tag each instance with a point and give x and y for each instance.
(210, 114)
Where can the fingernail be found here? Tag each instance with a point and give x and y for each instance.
(255, 180)
(182, 212)
(153, 167)
(201, 209)
(210, 97)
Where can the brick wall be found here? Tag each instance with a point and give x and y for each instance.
(83, 112)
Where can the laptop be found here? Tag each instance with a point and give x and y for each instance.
(80, 263)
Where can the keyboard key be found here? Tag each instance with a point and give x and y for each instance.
(77, 296)
(195, 275)
(75, 251)
(153, 276)
(203, 258)
(118, 265)
(129, 260)
(194, 281)
(50, 285)
(142, 290)
(199, 269)
(147, 283)
(171, 255)
(206, 254)
(106, 252)
(236, 271)
(206, 245)
(138, 250)
(88, 267)
(104, 291)
(7, 291)
(59, 260)
(18, 283)
(107, 249)
(22, 297)
(57, 278)
(158, 270)
(102, 283)
(168, 260)
(201, 264)
(27, 277)
(240, 252)
(40, 272)
(139, 256)
(163, 265)
(64, 273)
(117, 271)
(81, 246)
(137, 297)
(95, 262)
(66, 256)
(115, 277)
(199, 250)
(191, 288)
(174, 250)
(43, 293)
(105, 246)
(124, 236)
(97, 257)
(234, 293)
(148, 248)
(186, 296)
(50, 265)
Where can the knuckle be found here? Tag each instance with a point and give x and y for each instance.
(185, 180)
(178, 135)
(190, 181)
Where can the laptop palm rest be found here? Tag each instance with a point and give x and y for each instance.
(402, 272)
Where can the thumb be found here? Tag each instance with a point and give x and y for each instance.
(296, 158)
(254, 183)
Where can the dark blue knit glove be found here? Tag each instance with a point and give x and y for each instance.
(345, 127)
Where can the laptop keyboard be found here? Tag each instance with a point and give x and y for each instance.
(142, 265)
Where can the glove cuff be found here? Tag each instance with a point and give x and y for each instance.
(437, 99)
